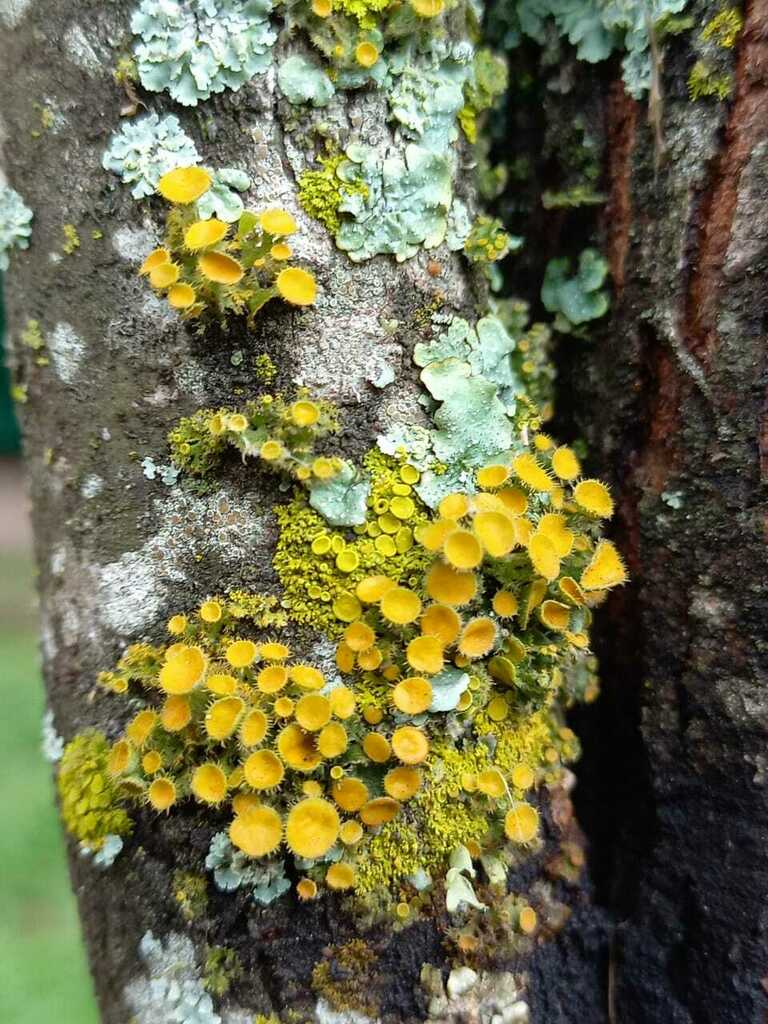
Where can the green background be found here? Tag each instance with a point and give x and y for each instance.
(43, 974)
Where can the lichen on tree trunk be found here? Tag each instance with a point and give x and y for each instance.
(670, 409)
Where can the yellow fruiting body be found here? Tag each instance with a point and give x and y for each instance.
(257, 831)
(312, 827)
(184, 185)
(220, 268)
(278, 222)
(594, 497)
(521, 823)
(209, 783)
(297, 286)
(263, 770)
(204, 233)
(459, 634)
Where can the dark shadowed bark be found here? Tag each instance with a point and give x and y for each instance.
(674, 406)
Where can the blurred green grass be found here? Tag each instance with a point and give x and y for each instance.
(43, 973)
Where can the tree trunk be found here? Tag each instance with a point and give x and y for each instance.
(118, 553)
(673, 405)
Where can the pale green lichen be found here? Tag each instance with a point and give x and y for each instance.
(303, 80)
(232, 869)
(15, 224)
(575, 299)
(597, 28)
(144, 149)
(341, 501)
(201, 47)
(468, 372)
(171, 987)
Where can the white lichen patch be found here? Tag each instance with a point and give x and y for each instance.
(52, 745)
(132, 591)
(324, 1014)
(336, 358)
(58, 559)
(133, 244)
(91, 486)
(487, 998)
(170, 990)
(12, 11)
(80, 49)
(67, 350)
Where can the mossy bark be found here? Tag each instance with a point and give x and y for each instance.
(118, 553)
(671, 396)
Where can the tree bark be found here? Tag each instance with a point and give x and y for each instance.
(673, 404)
(118, 553)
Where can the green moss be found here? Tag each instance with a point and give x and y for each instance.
(705, 82)
(346, 978)
(194, 449)
(191, 894)
(90, 801)
(126, 71)
(322, 192)
(725, 28)
(390, 857)
(262, 609)
(222, 967)
(266, 371)
(364, 10)
(71, 239)
(32, 336)
(311, 558)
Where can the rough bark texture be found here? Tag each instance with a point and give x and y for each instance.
(674, 407)
(118, 553)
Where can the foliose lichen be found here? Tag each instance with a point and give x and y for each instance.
(171, 989)
(145, 149)
(200, 47)
(578, 298)
(15, 224)
(598, 28)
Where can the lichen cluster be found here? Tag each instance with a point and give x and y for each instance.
(390, 724)
(597, 28)
(196, 48)
(319, 567)
(207, 266)
(438, 720)
(283, 436)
